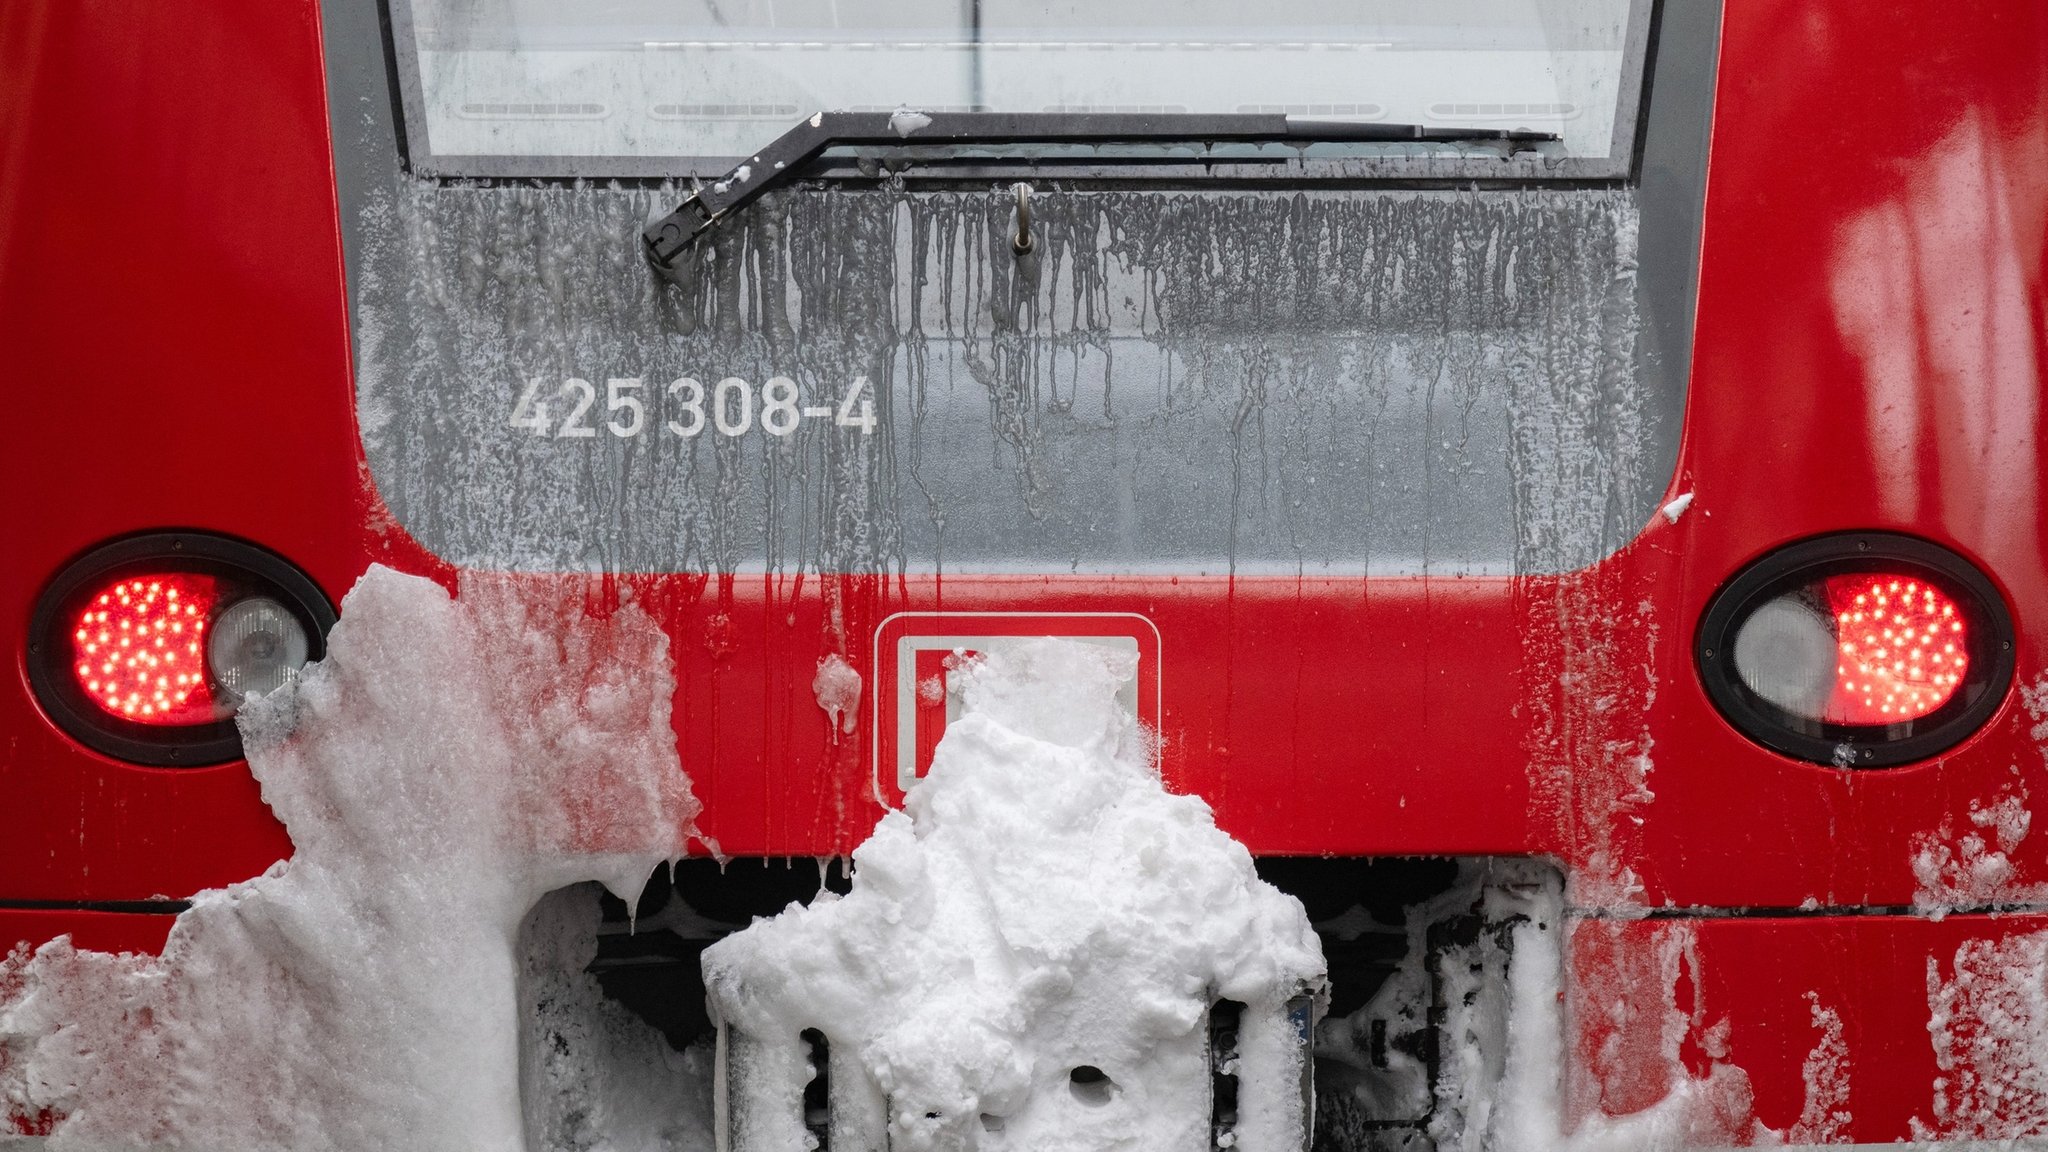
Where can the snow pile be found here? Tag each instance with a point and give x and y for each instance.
(449, 763)
(1042, 906)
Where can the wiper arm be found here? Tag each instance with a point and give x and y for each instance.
(669, 237)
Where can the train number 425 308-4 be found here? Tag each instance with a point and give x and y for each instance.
(684, 407)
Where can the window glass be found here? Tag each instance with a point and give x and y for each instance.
(715, 80)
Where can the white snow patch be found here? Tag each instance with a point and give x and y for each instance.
(837, 686)
(903, 121)
(1824, 1115)
(1967, 870)
(1989, 1024)
(1974, 869)
(1988, 1019)
(446, 765)
(1676, 508)
(1041, 904)
(2035, 698)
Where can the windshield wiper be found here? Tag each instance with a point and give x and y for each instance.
(669, 237)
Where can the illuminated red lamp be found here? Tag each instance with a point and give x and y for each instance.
(1903, 648)
(138, 648)
(144, 648)
(1857, 650)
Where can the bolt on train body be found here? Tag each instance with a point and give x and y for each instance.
(1561, 463)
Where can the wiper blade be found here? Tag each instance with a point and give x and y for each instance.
(669, 237)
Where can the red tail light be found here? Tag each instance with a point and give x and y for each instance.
(145, 648)
(139, 648)
(1859, 650)
(1904, 648)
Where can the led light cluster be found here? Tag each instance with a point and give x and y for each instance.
(138, 648)
(1902, 645)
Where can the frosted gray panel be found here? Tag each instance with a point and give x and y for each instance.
(1330, 382)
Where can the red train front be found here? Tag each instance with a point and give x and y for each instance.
(1560, 481)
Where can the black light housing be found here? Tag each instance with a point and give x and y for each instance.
(1858, 650)
(125, 657)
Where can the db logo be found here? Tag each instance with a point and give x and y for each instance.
(916, 651)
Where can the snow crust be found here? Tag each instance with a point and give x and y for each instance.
(1676, 508)
(904, 121)
(837, 686)
(1988, 1019)
(1973, 867)
(1486, 343)
(450, 762)
(1824, 1115)
(1042, 903)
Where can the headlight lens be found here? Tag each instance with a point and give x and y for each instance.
(257, 646)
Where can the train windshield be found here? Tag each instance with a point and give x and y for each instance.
(629, 87)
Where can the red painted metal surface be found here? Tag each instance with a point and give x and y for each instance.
(1742, 1007)
(172, 312)
(1867, 356)
(178, 360)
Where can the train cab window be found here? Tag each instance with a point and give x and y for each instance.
(648, 87)
(1331, 356)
